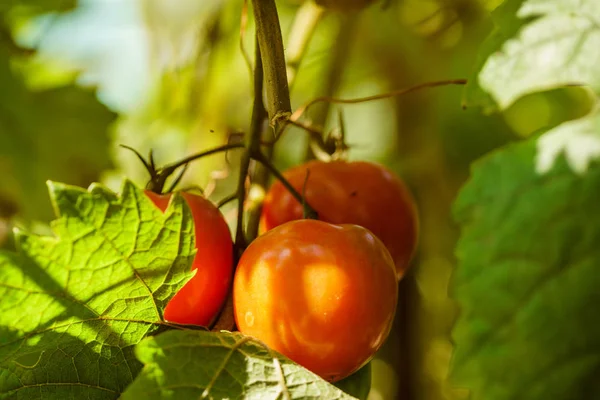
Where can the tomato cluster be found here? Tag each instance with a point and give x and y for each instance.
(361, 193)
(322, 292)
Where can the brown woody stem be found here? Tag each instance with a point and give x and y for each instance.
(268, 34)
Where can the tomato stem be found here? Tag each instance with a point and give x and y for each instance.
(303, 28)
(226, 319)
(224, 148)
(149, 167)
(226, 200)
(298, 113)
(252, 146)
(240, 239)
(309, 212)
(304, 206)
(159, 176)
(178, 178)
(268, 35)
(157, 184)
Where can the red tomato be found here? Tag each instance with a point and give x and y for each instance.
(323, 295)
(200, 300)
(360, 193)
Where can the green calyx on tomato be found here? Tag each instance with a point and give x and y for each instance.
(202, 297)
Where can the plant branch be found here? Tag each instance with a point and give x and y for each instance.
(159, 176)
(240, 239)
(309, 212)
(381, 96)
(317, 145)
(252, 147)
(227, 200)
(226, 319)
(268, 34)
(220, 149)
(303, 28)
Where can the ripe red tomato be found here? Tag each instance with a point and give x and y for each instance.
(360, 193)
(323, 295)
(200, 300)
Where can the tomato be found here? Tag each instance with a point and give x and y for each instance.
(323, 295)
(361, 193)
(202, 297)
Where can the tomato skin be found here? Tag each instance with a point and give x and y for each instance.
(359, 192)
(202, 297)
(323, 295)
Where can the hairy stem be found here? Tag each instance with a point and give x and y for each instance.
(252, 147)
(268, 34)
(220, 149)
(381, 96)
(309, 212)
(226, 319)
(303, 28)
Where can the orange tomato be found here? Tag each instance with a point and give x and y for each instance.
(361, 193)
(202, 297)
(323, 295)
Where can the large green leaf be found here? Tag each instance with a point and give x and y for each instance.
(506, 25)
(557, 46)
(527, 280)
(358, 384)
(195, 364)
(58, 134)
(578, 140)
(74, 306)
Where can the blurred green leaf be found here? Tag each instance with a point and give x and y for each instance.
(578, 140)
(506, 25)
(358, 384)
(557, 46)
(195, 364)
(38, 6)
(58, 134)
(527, 280)
(74, 306)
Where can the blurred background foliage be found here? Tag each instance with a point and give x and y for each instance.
(80, 78)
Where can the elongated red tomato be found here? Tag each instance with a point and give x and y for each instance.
(201, 299)
(323, 295)
(361, 193)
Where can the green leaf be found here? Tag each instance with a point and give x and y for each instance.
(578, 140)
(506, 25)
(58, 134)
(557, 46)
(527, 280)
(195, 364)
(358, 384)
(38, 6)
(74, 306)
